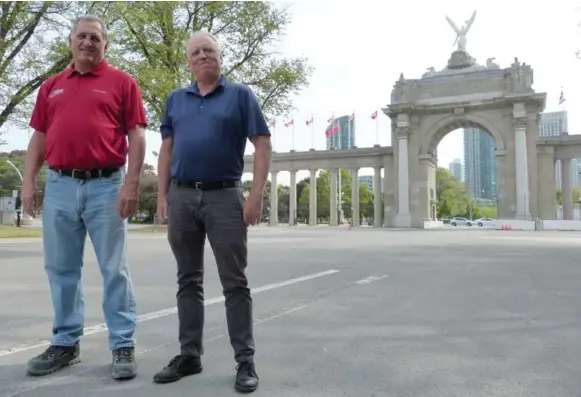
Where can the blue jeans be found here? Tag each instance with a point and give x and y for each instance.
(72, 208)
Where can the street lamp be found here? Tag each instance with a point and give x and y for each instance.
(16, 168)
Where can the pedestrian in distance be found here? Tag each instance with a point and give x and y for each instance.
(87, 119)
(204, 132)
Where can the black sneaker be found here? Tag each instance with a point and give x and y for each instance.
(246, 377)
(124, 365)
(178, 367)
(53, 359)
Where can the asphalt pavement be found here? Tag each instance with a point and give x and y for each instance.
(357, 313)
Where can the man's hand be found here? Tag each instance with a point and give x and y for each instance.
(128, 200)
(253, 210)
(162, 210)
(28, 195)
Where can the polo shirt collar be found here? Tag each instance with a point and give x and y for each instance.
(193, 88)
(96, 71)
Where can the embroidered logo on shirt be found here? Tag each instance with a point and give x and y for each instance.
(56, 92)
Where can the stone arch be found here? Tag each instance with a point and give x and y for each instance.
(431, 139)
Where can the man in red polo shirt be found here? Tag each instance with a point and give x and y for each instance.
(83, 119)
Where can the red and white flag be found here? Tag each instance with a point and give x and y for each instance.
(374, 115)
(352, 116)
(330, 120)
(289, 123)
(309, 122)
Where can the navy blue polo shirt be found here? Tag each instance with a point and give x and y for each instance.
(210, 132)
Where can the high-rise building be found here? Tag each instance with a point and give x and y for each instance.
(480, 175)
(556, 124)
(456, 169)
(345, 136)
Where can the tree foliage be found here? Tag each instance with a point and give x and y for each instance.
(151, 38)
(453, 200)
(366, 203)
(148, 40)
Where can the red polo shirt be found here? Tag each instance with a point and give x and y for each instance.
(86, 117)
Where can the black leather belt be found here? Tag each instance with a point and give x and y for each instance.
(201, 185)
(87, 174)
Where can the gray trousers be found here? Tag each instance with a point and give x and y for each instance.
(217, 214)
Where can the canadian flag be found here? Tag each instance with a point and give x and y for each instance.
(309, 122)
(352, 116)
(330, 120)
(332, 130)
(289, 123)
(374, 115)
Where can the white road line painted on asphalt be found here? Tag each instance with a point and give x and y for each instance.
(168, 312)
(53, 381)
(370, 279)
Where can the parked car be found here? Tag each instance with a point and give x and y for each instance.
(484, 222)
(460, 221)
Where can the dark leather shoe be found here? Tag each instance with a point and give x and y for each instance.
(246, 377)
(178, 367)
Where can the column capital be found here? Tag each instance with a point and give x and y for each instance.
(519, 122)
(402, 132)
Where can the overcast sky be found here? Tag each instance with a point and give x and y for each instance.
(359, 48)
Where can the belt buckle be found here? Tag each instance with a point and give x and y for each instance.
(81, 174)
(198, 185)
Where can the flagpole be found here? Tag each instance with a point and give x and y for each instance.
(293, 133)
(377, 130)
(313, 131)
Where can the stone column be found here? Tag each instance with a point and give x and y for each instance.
(567, 191)
(403, 217)
(313, 198)
(521, 163)
(377, 210)
(292, 205)
(355, 221)
(547, 202)
(333, 210)
(273, 198)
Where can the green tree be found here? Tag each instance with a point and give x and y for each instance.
(303, 205)
(9, 178)
(151, 38)
(148, 192)
(452, 199)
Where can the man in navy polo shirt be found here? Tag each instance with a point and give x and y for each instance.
(82, 119)
(204, 132)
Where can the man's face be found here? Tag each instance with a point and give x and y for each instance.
(87, 43)
(204, 58)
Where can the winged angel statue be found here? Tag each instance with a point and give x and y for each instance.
(461, 33)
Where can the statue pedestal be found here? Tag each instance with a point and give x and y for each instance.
(460, 59)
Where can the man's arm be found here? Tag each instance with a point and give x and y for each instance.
(258, 133)
(137, 147)
(164, 157)
(135, 124)
(34, 157)
(163, 168)
(262, 157)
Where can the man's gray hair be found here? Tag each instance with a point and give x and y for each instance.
(204, 34)
(90, 18)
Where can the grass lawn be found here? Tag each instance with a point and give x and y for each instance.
(150, 229)
(7, 231)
